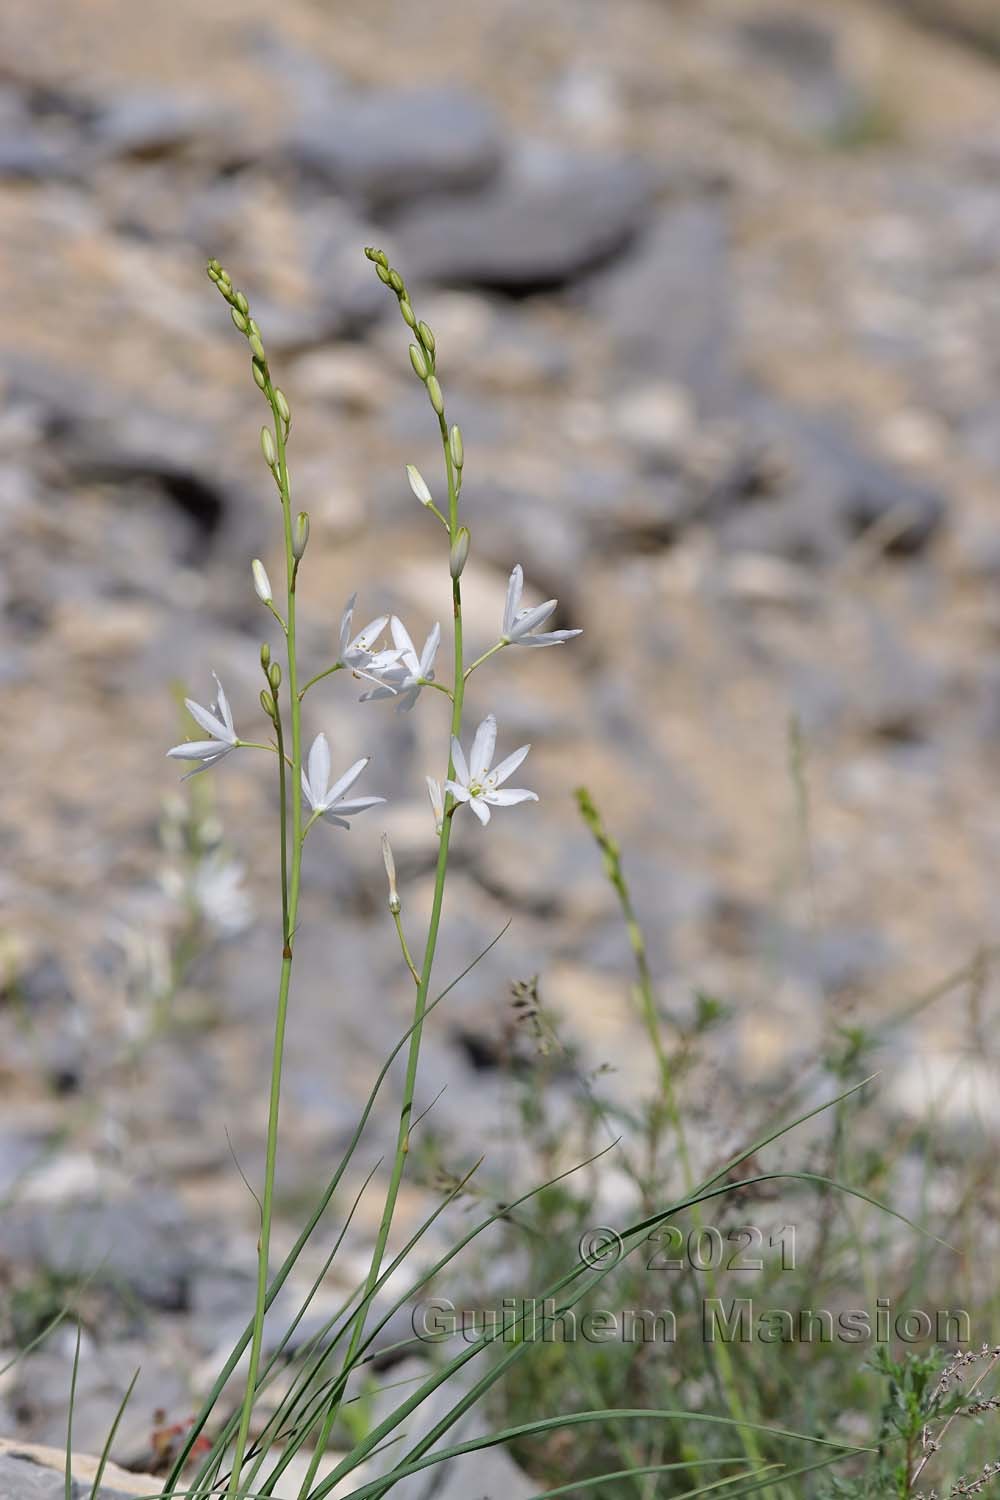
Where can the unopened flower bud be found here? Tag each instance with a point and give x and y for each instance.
(383, 272)
(437, 802)
(258, 374)
(242, 303)
(300, 536)
(257, 347)
(459, 552)
(239, 321)
(426, 336)
(434, 392)
(409, 316)
(396, 282)
(419, 361)
(378, 256)
(274, 675)
(261, 582)
(265, 656)
(214, 271)
(418, 485)
(281, 402)
(267, 447)
(395, 904)
(267, 704)
(457, 447)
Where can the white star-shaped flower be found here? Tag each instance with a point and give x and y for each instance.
(329, 801)
(476, 784)
(216, 721)
(357, 652)
(405, 677)
(520, 626)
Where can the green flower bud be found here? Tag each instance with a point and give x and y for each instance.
(213, 274)
(258, 374)
(457, 447)
(396, 282)
(419, 361)
(239, 321)
(434, 392)
(409, 316)
(281, 402)
(274, 675)
(267, 447)
(426, 337)
(383, 272)
(300, 536)
(242, 303)
(267, 704)
(459, 552)
(258, 348)
(378, 256)
(265, 656)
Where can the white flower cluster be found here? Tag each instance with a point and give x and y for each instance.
(396, 671)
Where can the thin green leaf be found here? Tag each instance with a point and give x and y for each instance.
(69, 1418)
(637, 1471)
(208, 1406)
(585, 1418)
(105, 1451)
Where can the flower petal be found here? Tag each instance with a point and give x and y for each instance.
(345, 624)
(402, 641)
(319, 771)
(457, 790)
(222, 704)
(507, 767)
(355, 805)
(199, 750)
(430, 651)
(483, 747)
(515, 585)
(550, 638)
(480, 809)
(206, 720)
(530, 618)
(348, 779)
(364, 638)
(509, 797)
(459, 761)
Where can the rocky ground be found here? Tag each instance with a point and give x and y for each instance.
(715, 292)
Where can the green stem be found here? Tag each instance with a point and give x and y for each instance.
(291, 876)
(485, 657)
(423, 986)
(651, 1021)
(338, 666)
(397, 918)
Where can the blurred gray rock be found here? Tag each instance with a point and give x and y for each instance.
(547, 221)
(668, 305)
(23, 1476)
(386, 147)
(803, 50)
(147, 1246)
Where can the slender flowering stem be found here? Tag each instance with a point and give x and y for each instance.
(423, 977)
(651, 1020)
(291, 877)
